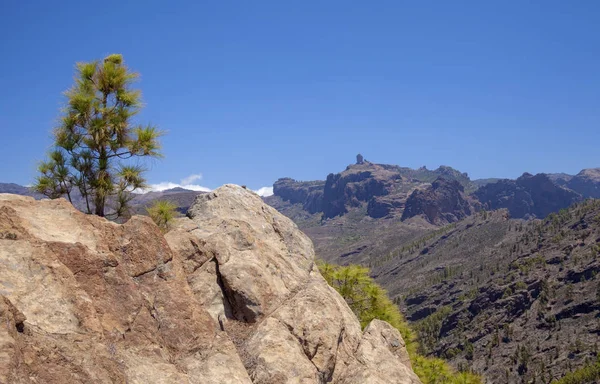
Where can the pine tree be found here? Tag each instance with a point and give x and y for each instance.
(94, 138)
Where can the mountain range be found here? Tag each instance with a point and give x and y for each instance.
(440, 196)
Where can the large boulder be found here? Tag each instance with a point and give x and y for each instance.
(288, 324)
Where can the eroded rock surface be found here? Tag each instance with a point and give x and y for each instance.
(88, 301)
(441, 203)
(229, 295)
(288, 324)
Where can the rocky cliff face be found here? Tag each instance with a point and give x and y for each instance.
(382, 188)
(231, 295)
(382, 206)
(526, 197)
(307, 193)
(442, 203)
(358, 183)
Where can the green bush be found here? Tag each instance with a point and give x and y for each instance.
(162, 212)
(369, 301)
(520, 286)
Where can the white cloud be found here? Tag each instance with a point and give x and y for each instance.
(185, 183)
(265, 191)
(191, 178)
(169, 185)
(188, 183)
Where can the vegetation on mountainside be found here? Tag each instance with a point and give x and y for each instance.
(369, 301)
(413, 246)
(523, 303)
(587, 374)
(162, 212)
(95, 134)
(428, 329)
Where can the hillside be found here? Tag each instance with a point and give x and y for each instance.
(462, 282)
(529, 196)
(586, 182)
(511, 299)
(354, 237)
(182, 198)
(16, 189)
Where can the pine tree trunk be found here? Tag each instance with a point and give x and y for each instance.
(100, 199)
(99, 206)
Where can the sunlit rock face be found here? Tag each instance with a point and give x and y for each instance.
(229, 295)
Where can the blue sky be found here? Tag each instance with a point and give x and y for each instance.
(251, 91)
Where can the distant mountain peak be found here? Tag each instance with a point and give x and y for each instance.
(177, 189)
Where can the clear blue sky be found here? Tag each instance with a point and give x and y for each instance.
(251, 91)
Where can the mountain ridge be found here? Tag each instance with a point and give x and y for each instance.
(385, 188)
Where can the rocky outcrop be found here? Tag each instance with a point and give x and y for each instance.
(441, 203)
(230, 295)
(379, 350)
(450, 173)
(358, 183)
(528, 196)
(383, 188)
(560, 178)
(288, 324)
(382, 206)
